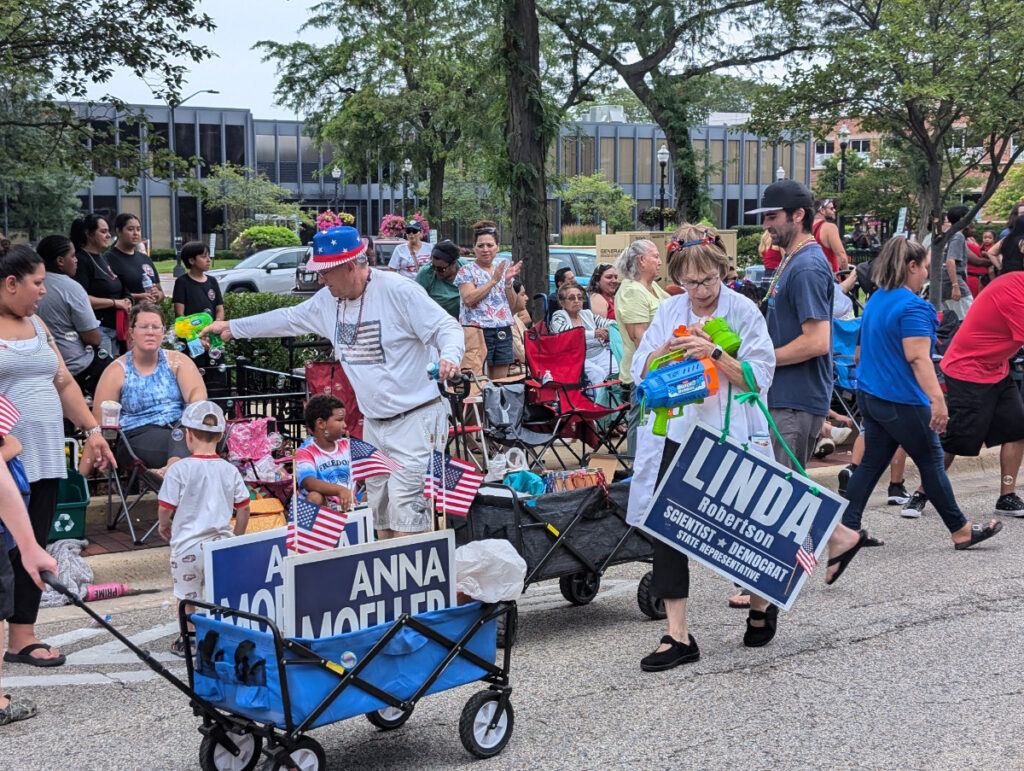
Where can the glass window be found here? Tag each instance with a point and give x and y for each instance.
(784, 159)
(608, 158)
(310, 153)
(288, 259)
(184, 140)
(733, 162)
(717, 161)
(800, 161)
(287, 148)
(235, 145)
(587, 160)
(569, 167)
(644, 161)
(750, 163)
(823, 150)
(327, 149)
(700, 159)
(209, 145)
(625, 176)
(264, 148)
(767, 164)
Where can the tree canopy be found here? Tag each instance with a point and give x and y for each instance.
(593, 198)
(244, 194)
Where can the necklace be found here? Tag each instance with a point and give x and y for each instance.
(103, 268)
(785, 262)
(347, 333)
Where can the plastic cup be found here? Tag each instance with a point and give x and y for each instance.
(110, 414)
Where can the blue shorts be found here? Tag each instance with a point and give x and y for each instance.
(499, 346)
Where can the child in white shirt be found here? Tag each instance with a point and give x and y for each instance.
(197, 498)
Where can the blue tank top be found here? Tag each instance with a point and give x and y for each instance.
(150, 400)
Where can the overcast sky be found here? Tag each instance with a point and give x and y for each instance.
(237, 72)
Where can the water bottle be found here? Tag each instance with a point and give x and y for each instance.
(147, 282)
(546, 377)
(104, 591)
(434, 371)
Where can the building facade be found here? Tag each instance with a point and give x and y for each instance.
(736, 166)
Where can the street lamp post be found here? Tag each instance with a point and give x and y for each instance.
(406, 170)
(663, 157)
(844, 141)
(336, 176)
(780, 174)
(175, 236)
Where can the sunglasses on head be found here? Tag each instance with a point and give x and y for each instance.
(484, 231)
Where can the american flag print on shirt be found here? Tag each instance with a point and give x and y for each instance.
(368, 461)
(461, 481)
(9, 415)
(314, 528)
(805, 555)
(360, 343)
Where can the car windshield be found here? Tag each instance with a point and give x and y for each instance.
(587, 262)
(252, 262)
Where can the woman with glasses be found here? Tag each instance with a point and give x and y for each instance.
(697, 262)
(600, 362)
(408, 258)
(602, 287)
(153, 387)
(487, 296)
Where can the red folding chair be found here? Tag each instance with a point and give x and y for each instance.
(557, 383)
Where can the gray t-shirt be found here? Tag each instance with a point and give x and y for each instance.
(65, 310)
(956, 250)
(805, 290)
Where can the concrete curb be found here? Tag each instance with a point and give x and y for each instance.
(987, 461)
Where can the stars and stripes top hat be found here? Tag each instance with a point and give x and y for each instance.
(334, 247)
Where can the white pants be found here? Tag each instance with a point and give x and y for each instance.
(397, 499)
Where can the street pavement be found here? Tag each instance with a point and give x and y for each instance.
(911, 660)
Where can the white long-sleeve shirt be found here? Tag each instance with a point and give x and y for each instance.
(385, 341)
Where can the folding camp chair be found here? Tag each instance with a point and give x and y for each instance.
(138, 480)
(249, 440)
(845, 336)
(557, 385)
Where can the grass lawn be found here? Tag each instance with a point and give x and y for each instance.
(166, 266)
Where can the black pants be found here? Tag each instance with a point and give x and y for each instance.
(42, 505)
(671, 580)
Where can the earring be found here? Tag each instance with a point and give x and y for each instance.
(325, 432)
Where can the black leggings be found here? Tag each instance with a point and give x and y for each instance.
(42, 505)
(671, 580)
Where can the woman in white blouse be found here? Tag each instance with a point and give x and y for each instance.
(600, 362)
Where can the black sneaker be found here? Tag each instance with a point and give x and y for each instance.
(1010, 504)
(898, 494)
(676, 654)
(914, 508)
(844, 477)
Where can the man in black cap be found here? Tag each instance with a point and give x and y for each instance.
(799, 300)
(438, 275)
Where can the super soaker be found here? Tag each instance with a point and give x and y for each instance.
(674, 381)
(188, 329)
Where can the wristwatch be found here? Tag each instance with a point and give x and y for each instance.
(716, 353)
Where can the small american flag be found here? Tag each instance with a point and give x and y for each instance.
(8, 415)
(368, 461)
(314, 528)
(805, 555)
(461, 481)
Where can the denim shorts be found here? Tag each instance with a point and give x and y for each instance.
(499, 345)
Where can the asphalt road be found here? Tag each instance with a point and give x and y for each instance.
(911, 660)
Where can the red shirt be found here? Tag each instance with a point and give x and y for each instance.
(829, 254)
(992, 331)
(772, 257)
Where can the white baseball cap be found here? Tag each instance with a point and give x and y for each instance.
(197, 412)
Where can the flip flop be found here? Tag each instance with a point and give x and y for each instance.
(741, 600)
(24, 656)
(979, 533)
(870, 540)
(844, 559)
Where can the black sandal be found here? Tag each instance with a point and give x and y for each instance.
(980, 533)
(869, 540)
(844, 559)
(757, 636)
(677, 654)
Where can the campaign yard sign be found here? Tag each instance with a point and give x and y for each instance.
(339, 591)
(247, 572)
(743, 515)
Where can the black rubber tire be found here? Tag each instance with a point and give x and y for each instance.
(386, 721)
(213, 756)
(651, 606)
(476, 716)
(242, 289)
(580, 588)
(308, 755)
(508, 628)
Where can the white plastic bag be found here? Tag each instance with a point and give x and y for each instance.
(496, 468)
(490, 570)
(515, 460)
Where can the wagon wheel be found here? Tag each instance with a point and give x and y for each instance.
(474, 726)
(650, 606)
(214, 756)
(389, 718)
(307, 755)
(508, 628)
(580, 588)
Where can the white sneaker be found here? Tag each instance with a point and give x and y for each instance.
(840, 434)
(824, 447)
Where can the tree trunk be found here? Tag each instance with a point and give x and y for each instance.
(689, 186)
(524, 142)
(931, 221)
(436, 171)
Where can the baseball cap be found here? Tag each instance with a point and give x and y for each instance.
(414, 225)
(784, 194)
(196, 412)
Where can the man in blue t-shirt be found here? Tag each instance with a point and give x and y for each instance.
(799, 321)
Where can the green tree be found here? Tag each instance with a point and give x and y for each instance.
(260, 237)
(592, 199)
(40, 203)
(944, 79)
(664, 50)
(245, 194)
(1009, 194)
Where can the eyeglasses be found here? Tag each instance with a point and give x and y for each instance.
(484, 231)
(706, 283)
(576, 297)
(441, 268)
(149, 327)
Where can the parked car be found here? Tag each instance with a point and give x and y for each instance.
(306, 282)
(582, 260)
(271, 270)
